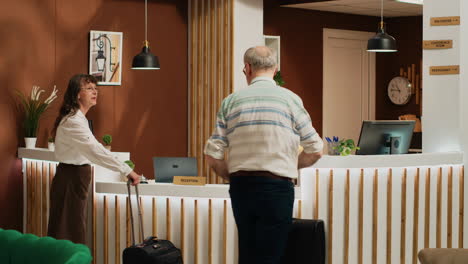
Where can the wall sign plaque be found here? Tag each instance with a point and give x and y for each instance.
(437, 44)
(444, 70)
(445, 21)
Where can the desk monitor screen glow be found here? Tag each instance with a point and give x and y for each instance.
(385, 137)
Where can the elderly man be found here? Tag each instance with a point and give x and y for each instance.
(261, 128)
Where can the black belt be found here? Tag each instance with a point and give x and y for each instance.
(266, 174)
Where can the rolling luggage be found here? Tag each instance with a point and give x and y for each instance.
(152, 250)
(306, 242)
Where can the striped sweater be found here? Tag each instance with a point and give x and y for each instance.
(261, 128)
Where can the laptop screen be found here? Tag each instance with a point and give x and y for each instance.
(165, 168)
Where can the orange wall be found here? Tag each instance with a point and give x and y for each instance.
(45, 42)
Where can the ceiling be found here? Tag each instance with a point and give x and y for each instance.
(391, 8)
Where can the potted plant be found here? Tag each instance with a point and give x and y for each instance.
(33, 108)
(278, 79)
(130, 164)
(345, 147)
(51, 144)
(107, 139)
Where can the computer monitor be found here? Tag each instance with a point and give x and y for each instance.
(165, 168)
(385, 137)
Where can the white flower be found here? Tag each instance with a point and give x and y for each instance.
(36, 93)
(52, 96)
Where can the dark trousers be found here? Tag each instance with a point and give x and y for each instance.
(263, 210)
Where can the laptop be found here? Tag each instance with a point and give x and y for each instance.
(165, 168)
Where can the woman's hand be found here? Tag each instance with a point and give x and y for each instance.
(135, 178)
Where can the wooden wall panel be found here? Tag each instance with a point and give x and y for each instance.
(210, 72)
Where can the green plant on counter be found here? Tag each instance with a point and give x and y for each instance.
(107, 139)
(345, 147)
(278, 79)
(130, 164)
(51, 140)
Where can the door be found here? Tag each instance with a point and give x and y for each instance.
(348, 83)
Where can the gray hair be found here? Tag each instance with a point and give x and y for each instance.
(260, 58)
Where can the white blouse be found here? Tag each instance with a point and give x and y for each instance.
(75, 144)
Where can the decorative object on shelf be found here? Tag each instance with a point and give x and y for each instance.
(145, 60)
(33, 109)
(346, 147)
(332, 144)
(273, 42)
(415, 77)
(399, 90)
(130, 164)
(278, 79)
(105, 57)
(381, 42)
(107, 139)
(417, 126)
(51, 144)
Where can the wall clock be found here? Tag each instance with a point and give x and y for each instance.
(399, 90)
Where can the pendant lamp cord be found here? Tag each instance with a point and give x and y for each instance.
(146, 19)
(381, 11)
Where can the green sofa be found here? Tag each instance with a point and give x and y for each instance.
(17, 248)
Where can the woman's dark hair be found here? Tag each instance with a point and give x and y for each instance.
(70, 99)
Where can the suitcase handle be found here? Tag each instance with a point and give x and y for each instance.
(131, 211)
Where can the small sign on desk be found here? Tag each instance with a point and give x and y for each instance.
(437, 44)
(189, 180)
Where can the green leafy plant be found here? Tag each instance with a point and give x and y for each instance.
(51, 140)
(107, 139)
(33, 108)
(278, 79)
(345, 147)
(130, 164)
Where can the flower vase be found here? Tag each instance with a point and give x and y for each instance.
(30, 142)
(51, 146)
(108, 147)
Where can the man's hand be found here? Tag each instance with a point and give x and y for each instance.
(134, 178)
(219, 166)
(308, 159)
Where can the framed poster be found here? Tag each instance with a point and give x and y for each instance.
(105, 57)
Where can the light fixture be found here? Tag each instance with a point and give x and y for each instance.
(416, 2)
(145, 60)
(381, 42)
(100, 60)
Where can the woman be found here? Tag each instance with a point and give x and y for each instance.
(75, 148)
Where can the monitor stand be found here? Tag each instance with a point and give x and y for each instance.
(393, 143)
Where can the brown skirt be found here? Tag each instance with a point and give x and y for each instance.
(68, 200)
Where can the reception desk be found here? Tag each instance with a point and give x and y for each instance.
(377, 209)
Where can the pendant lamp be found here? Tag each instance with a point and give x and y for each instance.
(145, 60)
(381, 42)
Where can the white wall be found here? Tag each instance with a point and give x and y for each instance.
(248, 32)
(441, 93)
(462, 100)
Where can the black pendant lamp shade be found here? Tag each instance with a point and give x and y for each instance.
(381, 42)
(145, 60)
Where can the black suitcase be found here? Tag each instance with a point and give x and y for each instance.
(152, 250)
(306, 243)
